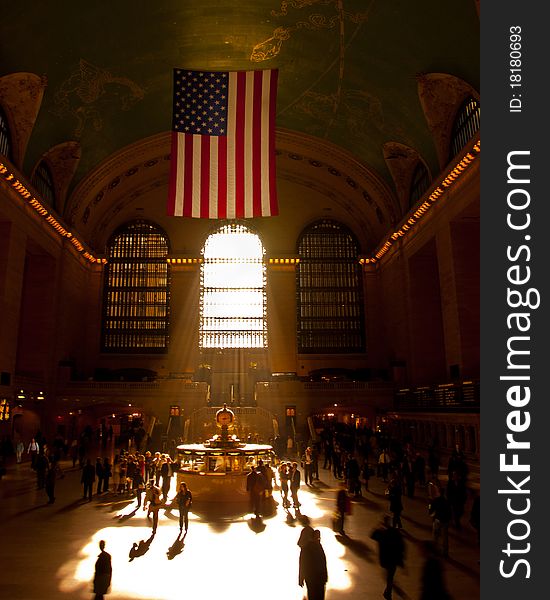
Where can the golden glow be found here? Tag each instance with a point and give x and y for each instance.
(233, 290)
(219, 559)
(451, 177)
(34, 203)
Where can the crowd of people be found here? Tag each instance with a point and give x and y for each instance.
(351, 458)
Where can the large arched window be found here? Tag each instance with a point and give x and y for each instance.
(136, 290)
(330, 307)
(465, 126)
(5, 137)
(420, 182)
(43, 182)
(232, 293)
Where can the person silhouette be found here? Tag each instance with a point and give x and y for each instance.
(103, 572)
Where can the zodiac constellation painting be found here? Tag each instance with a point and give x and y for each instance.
(83, 94)
(323, 107)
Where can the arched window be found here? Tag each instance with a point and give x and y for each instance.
(43, 182)
(330, 307)
(5, 137)
(420, 182)
(136, 290)
(232, 293)
(465, 125)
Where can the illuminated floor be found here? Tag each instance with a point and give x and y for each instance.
(49, 551)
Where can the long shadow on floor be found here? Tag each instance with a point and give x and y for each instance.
(358, 548)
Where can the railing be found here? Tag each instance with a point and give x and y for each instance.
(450, 396)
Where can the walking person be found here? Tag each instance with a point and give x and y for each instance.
(155, 504)
(103, 572)
(391, 551)
(432, 581)
(41, 467)
(19, 449)
(395, 493)
(313, 567)
(440, 511)
(51, 476)
(183, 499)
(294, 480)
(343, 507)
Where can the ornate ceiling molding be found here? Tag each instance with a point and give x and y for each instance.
(21, 97)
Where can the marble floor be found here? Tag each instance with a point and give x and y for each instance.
(49, 550)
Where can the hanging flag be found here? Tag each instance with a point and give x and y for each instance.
(223, 144)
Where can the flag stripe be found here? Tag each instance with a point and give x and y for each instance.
(248, 158)
(270, 176)
(231, 128)
(204, 169)
(173, 195)
(223, 144)
(222, 177)
(238, 157)
(187, 175)
(257, 135)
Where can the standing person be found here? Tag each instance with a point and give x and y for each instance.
(107, 472)
(353, 471)
(139, 486)
(149, 468)
(99, 474)
(307, 464)
(383, 464)
(256, 485)
(157, 464)
(327, 452)
(306, 535)
(155, 504)
(284, 476)
(313, 568)
(73, 451)
(365, 472)
(33, 451)
(457, 495)
(395, 493)
(88, 479)
(183, 499)
(315, 462)
(41, 466)
(166, 475)
(391, 551)
(103, 572)
(294, 480)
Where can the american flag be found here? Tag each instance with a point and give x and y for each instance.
(223, 144)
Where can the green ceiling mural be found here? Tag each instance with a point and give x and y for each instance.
(347, 68)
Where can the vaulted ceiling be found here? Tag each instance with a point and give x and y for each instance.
(348, 69)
